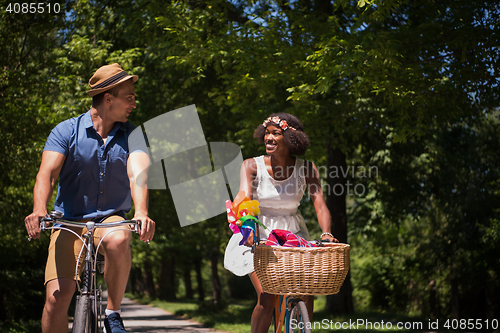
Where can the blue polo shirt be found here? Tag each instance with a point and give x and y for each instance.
(93, 182)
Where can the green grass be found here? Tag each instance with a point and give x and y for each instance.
(234, 317)
(231, 317)
(366, 322)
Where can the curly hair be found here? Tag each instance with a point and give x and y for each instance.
(296, 141)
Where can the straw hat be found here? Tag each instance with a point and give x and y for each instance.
(107, 77)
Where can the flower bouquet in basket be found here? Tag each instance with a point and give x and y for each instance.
(287, 263)
(242, 216)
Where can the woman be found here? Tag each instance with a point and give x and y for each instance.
(278, 181)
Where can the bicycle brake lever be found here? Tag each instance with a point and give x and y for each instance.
(138, 229)
(42, 222)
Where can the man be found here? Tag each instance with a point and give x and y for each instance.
(97, 177)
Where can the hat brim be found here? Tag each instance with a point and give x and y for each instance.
(93, 92)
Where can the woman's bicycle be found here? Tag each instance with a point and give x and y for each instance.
(290, 315)
(88, 308)
(293, 272)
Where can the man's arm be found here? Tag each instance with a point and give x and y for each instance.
(137, 167)
(50, 167)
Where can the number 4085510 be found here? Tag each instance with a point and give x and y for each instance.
(32, 8)
(471, 324)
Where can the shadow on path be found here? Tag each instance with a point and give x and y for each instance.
(145, 318)
(139, 318)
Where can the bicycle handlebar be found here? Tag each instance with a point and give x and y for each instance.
(56, 217)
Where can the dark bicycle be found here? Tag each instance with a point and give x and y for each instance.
(88, 308)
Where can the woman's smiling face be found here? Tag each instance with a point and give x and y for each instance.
(274, 140)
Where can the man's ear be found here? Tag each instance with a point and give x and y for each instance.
(107, 97)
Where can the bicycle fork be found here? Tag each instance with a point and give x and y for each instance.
(86, 312)
(282, 308)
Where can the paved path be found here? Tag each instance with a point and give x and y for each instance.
(139, 318)
(143, 318)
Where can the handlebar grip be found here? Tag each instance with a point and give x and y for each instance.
(43, 219)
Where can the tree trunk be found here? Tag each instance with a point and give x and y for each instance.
(147, 276)
(167, 288)
(336, 202)
(134, 283)
(199, 278)
(187, 280)
(214, 260)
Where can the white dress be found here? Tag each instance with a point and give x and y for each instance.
(279, 201)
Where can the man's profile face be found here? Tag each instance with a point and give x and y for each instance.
(122, 104)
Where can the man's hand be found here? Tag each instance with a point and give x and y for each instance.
(147, 227)
(32, 223)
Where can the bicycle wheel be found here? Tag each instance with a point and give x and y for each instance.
(86, 315)
(299, 318)
(82, 312)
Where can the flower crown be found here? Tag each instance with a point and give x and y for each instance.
(281, 123)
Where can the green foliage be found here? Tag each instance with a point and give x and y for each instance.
(26, 60)
(445, 235)
(403, 86)
(415, 59)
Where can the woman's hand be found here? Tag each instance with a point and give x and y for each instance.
(250, 241)
(328, 236)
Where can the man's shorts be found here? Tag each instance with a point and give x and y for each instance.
(65, 249)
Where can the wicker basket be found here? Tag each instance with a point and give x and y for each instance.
(302, 270)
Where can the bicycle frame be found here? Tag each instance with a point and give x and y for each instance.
(284, 303)
(281, 314)
(89, 295)
(290, 315)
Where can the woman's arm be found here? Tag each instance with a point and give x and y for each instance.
(316, 193)
(248, 172)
